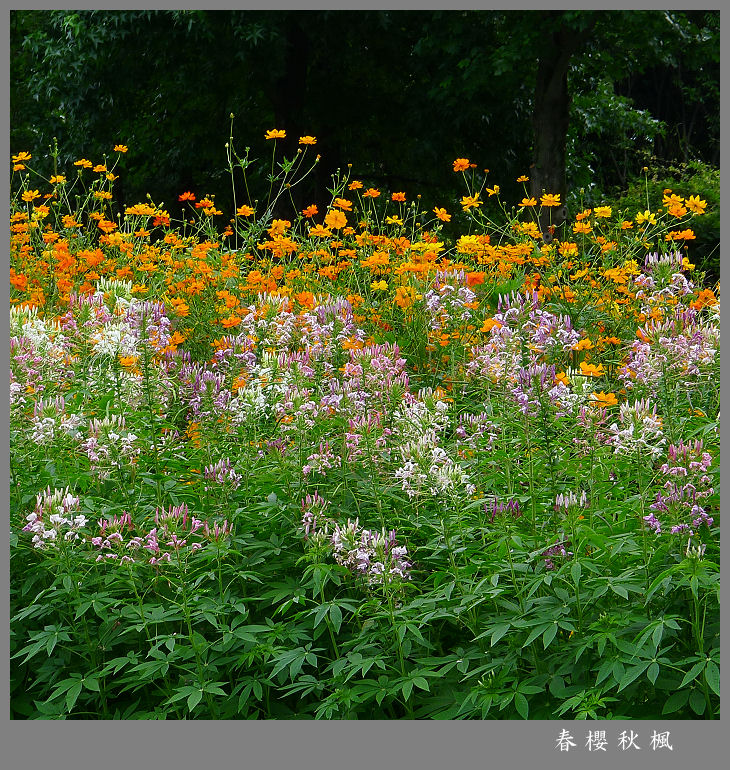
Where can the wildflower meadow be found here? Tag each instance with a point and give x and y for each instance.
(373, 460)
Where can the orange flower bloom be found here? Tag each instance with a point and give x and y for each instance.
(232, 320)
(244, 211)
(371, 192)
(399, 197)
(120, 148)
(603, 399)
(186, 196)
(335, 219)
(343, 203)
(523, 178)
(695, 205)
(307, 140)
(461, 164)
(442, 214)
(310, 211)
(275, 134)
(354, 185)
(528, 202)
(319, 232)
(550, 199)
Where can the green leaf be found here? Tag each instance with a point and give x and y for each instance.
(72, 695)
(620, 591)
(549, 635)
(697, 702)
(521, 704)
(336, 617)
(498, 632)
(652, 672)
(194, 698)
(676, 701)
(535, 633)
(421, 683)
(656, 637)
(692, 673)
(407, 688)
(631, 674)
(712, 676)
(575, 572)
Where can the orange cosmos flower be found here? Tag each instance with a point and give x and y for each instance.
(399, 197)
(371, 192)
(244, 211)
(83, 163)
(470, 201)
(319, 232)
(461, 164)
(232, 320)
(354, 185)
(30, 195)
(528, 202)
(275, 134)
(706, 298)
(343, 203)
(603, 399)
(523, 178)
(584, 344)
(120, 148)
(310, 211)
(186, 196)
(590, 370)
(582, 227)
(442, 214)
(57, 179)
(335, 219)
(306, 140)
(21, 156)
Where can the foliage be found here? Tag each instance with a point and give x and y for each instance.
(410, 90)
(345, 466)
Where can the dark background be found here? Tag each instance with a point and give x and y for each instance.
(580, 101)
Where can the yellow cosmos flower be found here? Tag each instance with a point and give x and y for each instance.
(602, 212)
(307, 140)
(275, 133)
(335, 219)
(120, 148)
(695, 205)
(646, 216)
(550, 199)
(244, 211)
(528, 202)
(523, 178)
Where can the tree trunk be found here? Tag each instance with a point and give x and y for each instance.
(550, 118)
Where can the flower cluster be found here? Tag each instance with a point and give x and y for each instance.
(55, 512)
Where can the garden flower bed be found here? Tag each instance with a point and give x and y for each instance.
(344, 465)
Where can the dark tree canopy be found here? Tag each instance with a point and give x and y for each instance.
(585, 98)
